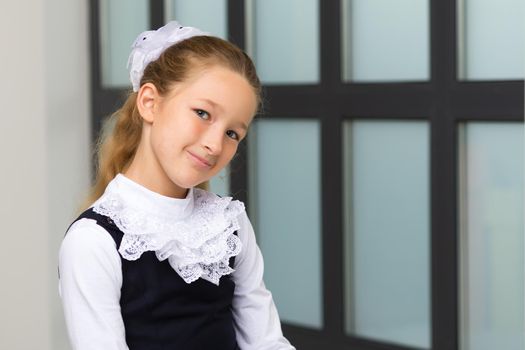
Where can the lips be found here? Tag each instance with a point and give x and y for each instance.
(200, 161)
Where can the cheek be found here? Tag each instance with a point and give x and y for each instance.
(228, 153)
(172, 132)
(164, 143)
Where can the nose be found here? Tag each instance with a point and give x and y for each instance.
(212, 140)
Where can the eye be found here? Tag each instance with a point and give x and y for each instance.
(232, 134)
(202, 114)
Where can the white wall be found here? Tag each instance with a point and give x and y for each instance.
(44, 148)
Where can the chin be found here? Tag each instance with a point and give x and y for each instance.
(187, 183)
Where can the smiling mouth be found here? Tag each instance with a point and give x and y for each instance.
(200, 161)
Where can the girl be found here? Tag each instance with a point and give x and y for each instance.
(155, 262)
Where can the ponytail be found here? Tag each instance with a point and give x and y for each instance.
(116, 149)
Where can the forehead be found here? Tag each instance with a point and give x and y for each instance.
(225, 90)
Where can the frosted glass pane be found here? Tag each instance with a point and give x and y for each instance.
(208, 15)
(492, 44)
(385, 40)
(285, 40)
(285, 208)
(220, 183)
(387, 228)
(492, 243)
(120, 23)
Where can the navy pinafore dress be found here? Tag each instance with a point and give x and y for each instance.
(162, 312)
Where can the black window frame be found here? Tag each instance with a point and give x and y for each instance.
(444, 101)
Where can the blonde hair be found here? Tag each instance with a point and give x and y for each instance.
(115, 150)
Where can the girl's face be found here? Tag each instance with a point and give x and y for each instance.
(193, 132)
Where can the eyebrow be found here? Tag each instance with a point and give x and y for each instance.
(242, 125)
(208, 101)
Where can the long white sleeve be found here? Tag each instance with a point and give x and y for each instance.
(256, 319)
(89, 285)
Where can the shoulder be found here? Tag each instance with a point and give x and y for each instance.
(88, 262)
(85, 237)
(245, 226)
(88, 253)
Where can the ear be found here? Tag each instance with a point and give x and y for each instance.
(147, 101)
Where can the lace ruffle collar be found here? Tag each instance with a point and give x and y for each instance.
(195, 234)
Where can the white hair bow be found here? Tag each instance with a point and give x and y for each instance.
(150, 44)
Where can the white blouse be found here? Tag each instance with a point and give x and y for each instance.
(91, 273)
